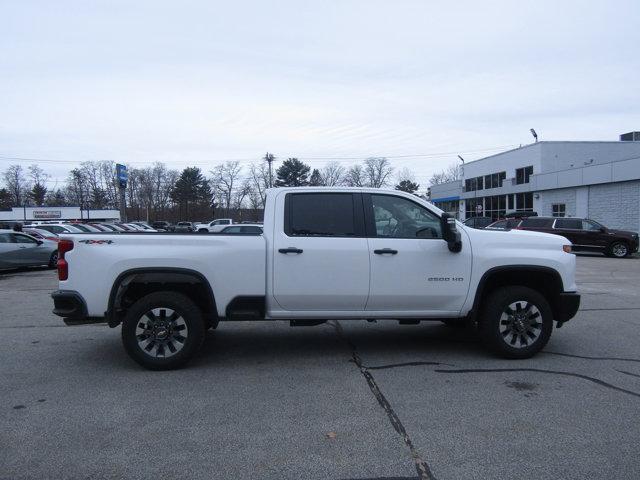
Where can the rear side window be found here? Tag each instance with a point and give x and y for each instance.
(537, 222)
(251, 230)
(321, 215)
(232, 230)
(569, 223)
(4, 238)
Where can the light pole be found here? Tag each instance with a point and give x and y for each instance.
(535, 135)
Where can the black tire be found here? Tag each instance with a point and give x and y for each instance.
(203, 230)
(151, 340)
(618, 250)
(53, 261)
(512, 335)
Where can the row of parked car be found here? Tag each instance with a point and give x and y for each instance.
(585, 234)
(37, 244)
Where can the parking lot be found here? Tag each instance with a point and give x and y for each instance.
(343, 400)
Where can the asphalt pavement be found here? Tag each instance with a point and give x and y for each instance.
(343, 400)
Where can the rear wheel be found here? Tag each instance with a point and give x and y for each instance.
(516, 322)
(163, 330)
(53, 261)
(618, 250)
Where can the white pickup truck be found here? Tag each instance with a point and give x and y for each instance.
(214, 226)
(326, 253)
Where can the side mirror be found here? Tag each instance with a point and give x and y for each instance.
(39, 242)
(450, 233)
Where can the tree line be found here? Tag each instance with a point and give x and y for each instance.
(157, 192)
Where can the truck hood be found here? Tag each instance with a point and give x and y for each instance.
(528, 237)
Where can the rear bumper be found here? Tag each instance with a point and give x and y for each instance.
(70, 305)
(567, 307)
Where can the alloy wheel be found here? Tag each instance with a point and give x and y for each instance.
(161, 332)
(520, 324)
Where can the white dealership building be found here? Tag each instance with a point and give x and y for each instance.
(597, 180)
(29, 214)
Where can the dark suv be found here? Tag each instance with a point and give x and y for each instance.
(585, 234)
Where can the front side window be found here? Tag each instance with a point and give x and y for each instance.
(320, 214)
(233, 230)
(4, 238)
(591, 225)
(397, 217)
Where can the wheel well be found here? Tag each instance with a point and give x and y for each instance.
(131, 286)
(544, 280)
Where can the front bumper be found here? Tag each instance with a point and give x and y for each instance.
(567, 307)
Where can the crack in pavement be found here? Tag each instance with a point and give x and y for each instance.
(422, 468)
(406, 364)
(539, 370)
(622, 359)
(628, 373)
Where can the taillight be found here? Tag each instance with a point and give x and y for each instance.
(64, 246)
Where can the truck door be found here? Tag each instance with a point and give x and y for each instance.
(321, 256)
(412, 269)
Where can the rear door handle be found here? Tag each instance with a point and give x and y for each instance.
(290, 250)
(385, 251)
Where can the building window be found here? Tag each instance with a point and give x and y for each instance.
(523, 174)
(524, 202)
(510, 198)
(558, 209)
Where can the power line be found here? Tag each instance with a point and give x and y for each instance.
(310, 159)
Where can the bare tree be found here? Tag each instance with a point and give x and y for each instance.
(225, 179)
(332, 174)
(449, 174)
(38, 188)
(259, 175)
(354, 176)
(16, 183)
(377, 171)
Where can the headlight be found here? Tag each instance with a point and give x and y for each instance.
(566, 248)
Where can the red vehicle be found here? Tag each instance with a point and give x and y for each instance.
(41, 234)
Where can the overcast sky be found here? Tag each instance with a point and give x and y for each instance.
(199, 82)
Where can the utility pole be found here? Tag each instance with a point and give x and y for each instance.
(269, 157)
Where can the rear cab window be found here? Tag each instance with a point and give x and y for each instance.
(323, 215)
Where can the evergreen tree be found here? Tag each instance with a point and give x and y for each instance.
(316, 179)
(191, 188)
(6, 201)
(292, 173)
(407, 186)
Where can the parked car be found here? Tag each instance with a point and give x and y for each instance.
(112, 227)
(213, 226)
(59, 228)
(22, 250)
(478, 222)
(586, 234)
(508, 223)
(145, 227)
(321, 257)
(41, 234)
(185, 227)
(85, 227)
(100, 227)
(161, 225)
(242, 229)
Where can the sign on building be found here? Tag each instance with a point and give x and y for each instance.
(46, 214)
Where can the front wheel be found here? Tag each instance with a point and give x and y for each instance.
(618, 250)
(163, 330)
(516, 322)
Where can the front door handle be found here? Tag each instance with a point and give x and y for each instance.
(290, 250)
(385, 251)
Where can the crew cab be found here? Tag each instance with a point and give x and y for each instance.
(326, 254)
(214, 226)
